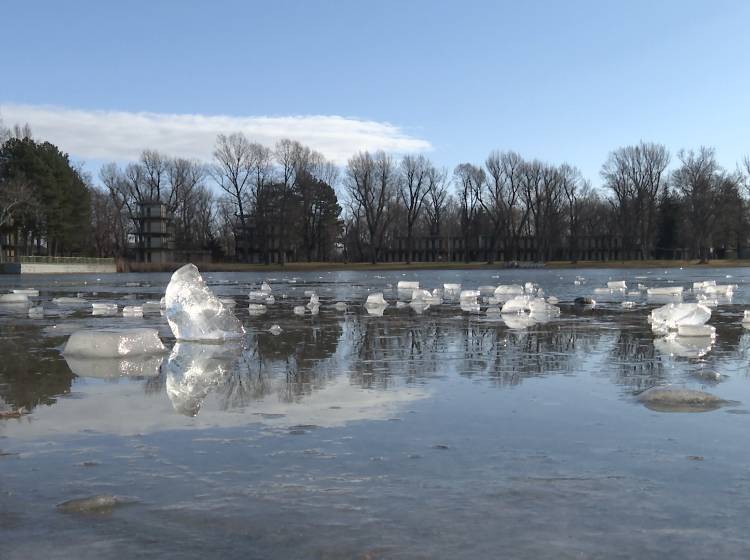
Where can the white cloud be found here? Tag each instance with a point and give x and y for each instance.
(121, 135)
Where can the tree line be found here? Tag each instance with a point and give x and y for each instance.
(288, 202)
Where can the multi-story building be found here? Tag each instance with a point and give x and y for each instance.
(154, 237)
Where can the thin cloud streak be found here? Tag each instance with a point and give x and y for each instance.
(121, 135)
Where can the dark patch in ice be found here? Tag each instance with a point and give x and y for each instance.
(679, 399)
(93, 505)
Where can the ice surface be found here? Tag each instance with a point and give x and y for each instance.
(113, 343)
(672, 315)
(14, 298)
(617, 285)
(194, 312)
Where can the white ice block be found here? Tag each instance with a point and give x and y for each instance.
(113, 343)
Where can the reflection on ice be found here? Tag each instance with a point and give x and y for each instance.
(194, 369)
(684, 346)
(109, 368)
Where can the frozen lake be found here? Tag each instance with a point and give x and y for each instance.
(444, 434)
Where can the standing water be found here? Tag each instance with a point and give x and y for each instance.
(417, 430)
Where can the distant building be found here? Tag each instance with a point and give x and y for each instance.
(8, 243)
(154, 236)
(261, 245)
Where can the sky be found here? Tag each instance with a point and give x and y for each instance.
(562, 81)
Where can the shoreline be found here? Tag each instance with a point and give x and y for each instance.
(342, 267)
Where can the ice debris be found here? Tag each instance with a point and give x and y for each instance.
(132, 311)
(69, 301)
(617, 285)
(14, 298)
(673, 291)
(275, 330)
(194, 312)
(404, 285)
(36, 312)
(113, 343)
(31, 292)
(256, 309)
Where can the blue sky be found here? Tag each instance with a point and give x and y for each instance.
(561, 81)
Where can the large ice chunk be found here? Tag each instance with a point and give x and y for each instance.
(617, 285)
(113, 343)
(508, 291)
(407, 286)
(194, 312)
(673, 315)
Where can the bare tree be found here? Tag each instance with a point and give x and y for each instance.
(502, 197)
(413, 188)
(233, 170)
(437, 199)
(370, 182)
(469, 183)
(575, 188)
(699, 179)
(636, 176)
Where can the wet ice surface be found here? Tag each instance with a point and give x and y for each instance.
(439, 434)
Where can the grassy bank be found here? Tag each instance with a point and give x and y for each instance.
(717, 263)
(331, 266)
(312, 266)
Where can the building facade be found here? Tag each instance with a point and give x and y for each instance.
(154, 236)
